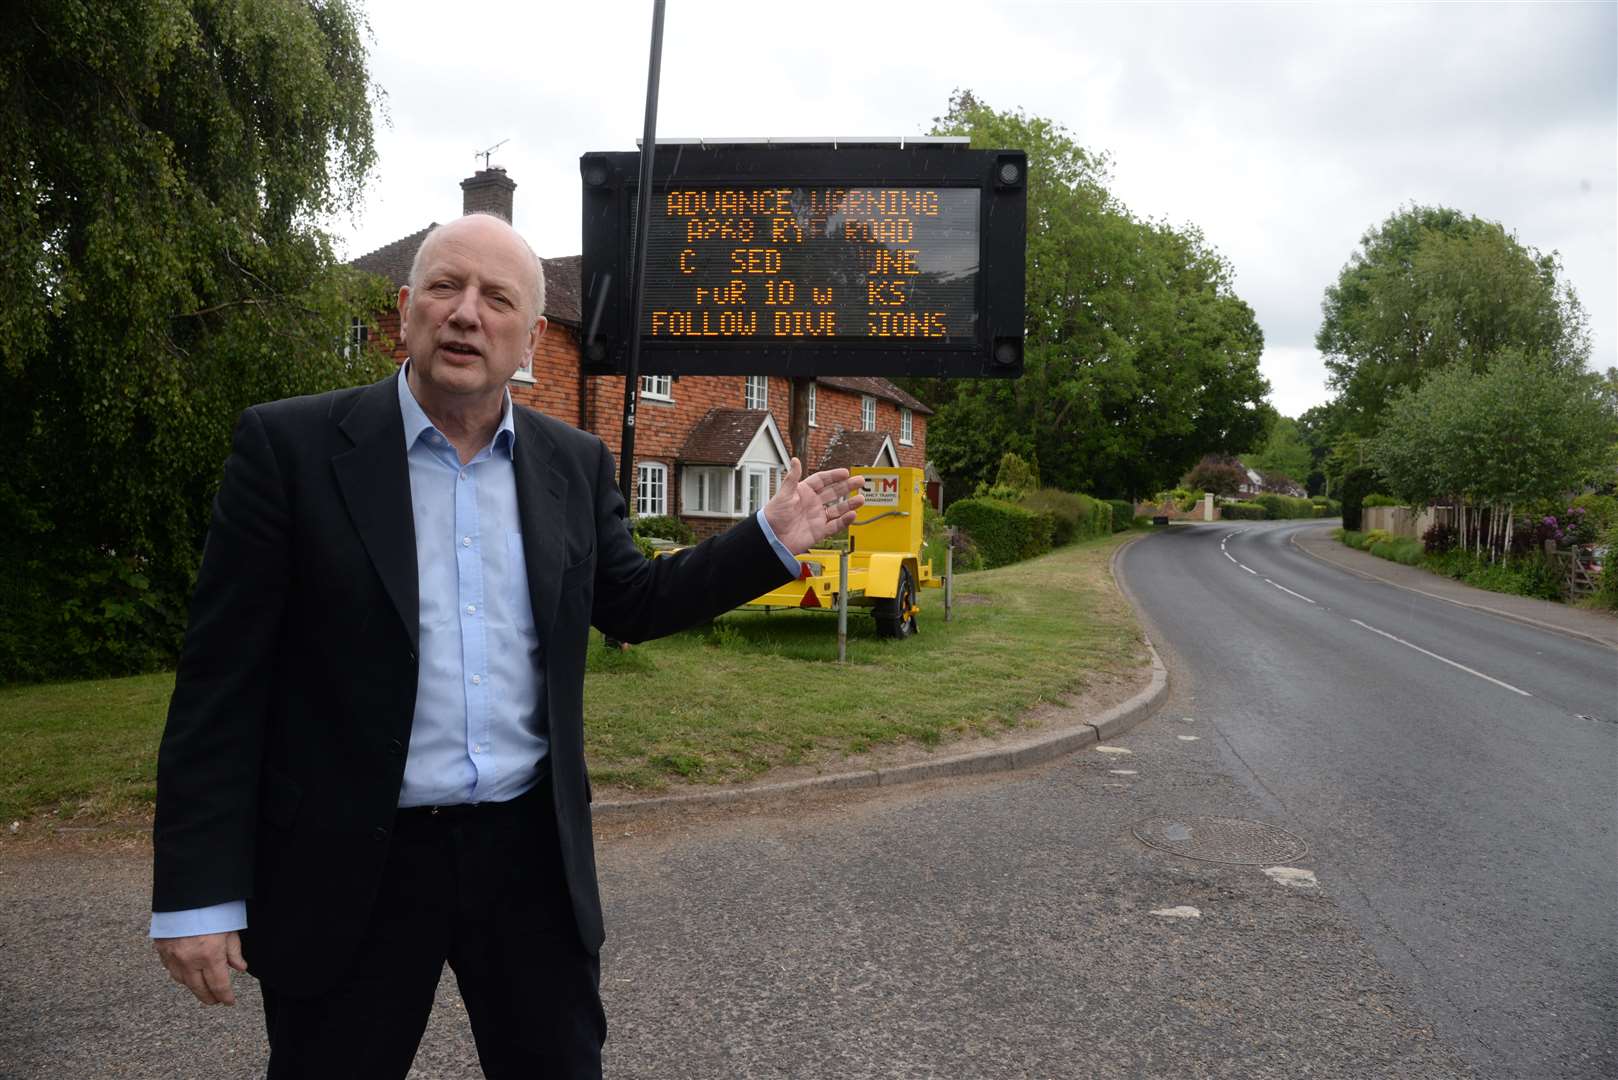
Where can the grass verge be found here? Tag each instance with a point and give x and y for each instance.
(726, 702)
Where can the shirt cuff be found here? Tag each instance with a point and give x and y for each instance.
(788, 560)
(217, 919)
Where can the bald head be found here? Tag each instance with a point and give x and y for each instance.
(477, 231)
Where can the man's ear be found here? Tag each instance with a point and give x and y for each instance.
(404, 308)
(536, 332)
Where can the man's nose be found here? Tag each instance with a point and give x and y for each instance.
(465, 312)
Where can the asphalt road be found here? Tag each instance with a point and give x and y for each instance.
(1455, 773)
(1015, 926)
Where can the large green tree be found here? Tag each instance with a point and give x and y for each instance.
(165, 167)
(1432, 286)
(1139, 357)
(1285, 451)
(1520, 431)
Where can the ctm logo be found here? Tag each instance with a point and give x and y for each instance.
(885, 486)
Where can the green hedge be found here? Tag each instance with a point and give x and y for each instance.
(1004, 532)
(1242, 511)
(1281, 507)
(1325, 507)
(1376, 498)
(664, 527)
(1123, 512)
(1073, 516)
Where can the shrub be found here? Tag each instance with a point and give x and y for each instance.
(1356, 485)
(1216, 473)
(1279, 507)
(1601, 511)
(1004, 532)
(1074, 516)
(1521, 576)
(1325, 507)
(1017, 474)
(1123, 513)
(1376, 498)
(1242, 511)
(1606, 594)
(665, 527)
(1440, 538)
(1399, 549)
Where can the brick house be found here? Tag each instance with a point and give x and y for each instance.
(708, 448)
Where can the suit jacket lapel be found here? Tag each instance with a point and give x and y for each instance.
(374, 478)
(541, 502)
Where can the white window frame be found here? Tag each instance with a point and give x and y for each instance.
(867, 412)
(657, 387)
(812, 405)
(756, 392)
(359, 332)
(651, 489)
(905, 426)
(751, 500)
(707, 491)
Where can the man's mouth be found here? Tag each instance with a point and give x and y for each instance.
(457, 348)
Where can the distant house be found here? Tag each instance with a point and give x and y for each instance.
(709, 449)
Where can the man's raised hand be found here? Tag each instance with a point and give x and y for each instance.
(806, 510)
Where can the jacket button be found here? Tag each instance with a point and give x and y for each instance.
(395, 747)
(379, 833)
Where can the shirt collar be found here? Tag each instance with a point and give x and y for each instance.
(416, 421)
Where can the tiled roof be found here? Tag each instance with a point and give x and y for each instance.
(393, 260)
(870, 384)
(853, 449)
(722, 436)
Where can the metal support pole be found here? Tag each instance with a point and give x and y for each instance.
(842, 606)
(648, 148)
(949, 572)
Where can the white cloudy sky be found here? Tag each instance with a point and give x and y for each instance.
(1283, 130)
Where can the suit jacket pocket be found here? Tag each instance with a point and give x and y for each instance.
(579, 573)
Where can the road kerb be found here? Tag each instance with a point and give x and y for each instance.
(1109, 724)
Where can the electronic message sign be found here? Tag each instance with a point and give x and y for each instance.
(809, 261)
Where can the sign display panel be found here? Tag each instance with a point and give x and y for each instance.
(808, 261)
(813, 262)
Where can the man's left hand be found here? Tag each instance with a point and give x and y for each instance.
(806, 510)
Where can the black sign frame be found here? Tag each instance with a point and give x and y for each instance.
(610, 187)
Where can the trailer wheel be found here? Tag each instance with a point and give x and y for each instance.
(896, 618)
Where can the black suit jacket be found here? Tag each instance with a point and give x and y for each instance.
(281, 763)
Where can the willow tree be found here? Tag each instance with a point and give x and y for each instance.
(165, 170)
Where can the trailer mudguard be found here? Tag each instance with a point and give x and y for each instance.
(882, 580)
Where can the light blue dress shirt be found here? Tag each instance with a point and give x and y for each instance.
(478, 733)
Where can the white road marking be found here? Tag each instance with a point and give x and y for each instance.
(1289, 592)
(1189, 719)
(1445, 659)
(1122, 772)
(1184, 911)
(1188, 738)
(1249, 569)
(1112, 750)
(1292, 877)
(1231, 557)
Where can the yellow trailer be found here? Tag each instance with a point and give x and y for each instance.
(885, 569)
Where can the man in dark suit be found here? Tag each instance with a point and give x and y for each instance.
(374, 758)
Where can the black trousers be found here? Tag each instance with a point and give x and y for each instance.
(480, 887)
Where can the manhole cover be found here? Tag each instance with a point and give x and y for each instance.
(1222, 840)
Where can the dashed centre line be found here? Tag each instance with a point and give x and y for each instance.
(1374, 630)
(1443, 659)
(1289, 592)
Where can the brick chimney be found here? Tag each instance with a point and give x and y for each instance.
(488, 191)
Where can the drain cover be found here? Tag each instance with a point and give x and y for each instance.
(1222, 840)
